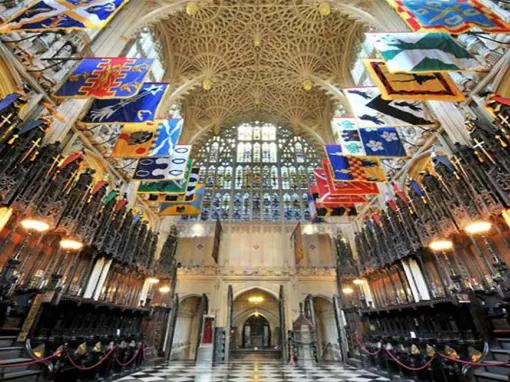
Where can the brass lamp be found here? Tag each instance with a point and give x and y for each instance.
(478, 227)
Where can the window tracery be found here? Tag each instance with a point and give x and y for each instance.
(256, 171)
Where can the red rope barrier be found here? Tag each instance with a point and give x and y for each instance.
(394, 358)
(373, 354)
(486, 363)
(29, 363)
(364, 349)
(451, 359)
(105, 357)
(45, 359)
(130, 361)
(144, 355)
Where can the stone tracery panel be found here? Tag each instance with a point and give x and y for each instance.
(253, 57)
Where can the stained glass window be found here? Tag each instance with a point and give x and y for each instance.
(146, 46)
(256, 171)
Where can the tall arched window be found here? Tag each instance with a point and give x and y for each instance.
(215, 152)
(256, 152)
(259, 173)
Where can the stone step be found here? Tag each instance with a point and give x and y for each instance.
(502, 370)
(8, 352)
(22, 376)
(504, 342)
(484, 376)
(502, 332)
(7, 340)
(9, 331)
(502, 355)
(16, 360)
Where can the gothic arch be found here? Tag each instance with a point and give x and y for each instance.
(274, 293)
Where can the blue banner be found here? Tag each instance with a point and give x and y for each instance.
(382, 142)
(107, 77)
(143, 107)
(48, 15)
(169, 132)
(351, 168)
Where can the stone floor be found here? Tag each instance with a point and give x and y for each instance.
(256, 371)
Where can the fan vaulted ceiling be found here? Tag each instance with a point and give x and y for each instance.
(237, 60)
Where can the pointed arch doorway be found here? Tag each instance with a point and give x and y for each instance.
(188, 325)
(256, 333)
(256, 326)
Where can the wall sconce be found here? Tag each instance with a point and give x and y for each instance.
(71, 244)
(441, 245)
(478, 227)
(153, 280)
(164, 289)
(33, 224)
(347, 290)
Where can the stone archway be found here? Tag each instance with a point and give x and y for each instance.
(255, 325)
(187, 329)
(326, 331)
(256, 333)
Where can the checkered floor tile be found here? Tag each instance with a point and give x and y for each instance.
(251, 372)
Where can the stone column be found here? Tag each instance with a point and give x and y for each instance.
(451, 119)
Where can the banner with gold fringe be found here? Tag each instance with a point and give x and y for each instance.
(318, 209)
(452, 16)
(413, 86)
(189, 206)
(325, 195)
(371, 110)
(347, 188)
(143, 107)
(106, 77)
(48, 15)
(349, 168)
(148, 140)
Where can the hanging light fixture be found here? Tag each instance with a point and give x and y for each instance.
(357, 282)
(506, 216)
(478, 227)
(255, 299)
(191, 8)
(207, 84)
(164, 289)
(33, 224)
(324, 9)
(257, 41)
(307, 85)
(440, 245)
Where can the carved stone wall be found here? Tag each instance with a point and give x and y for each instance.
(254, 255)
